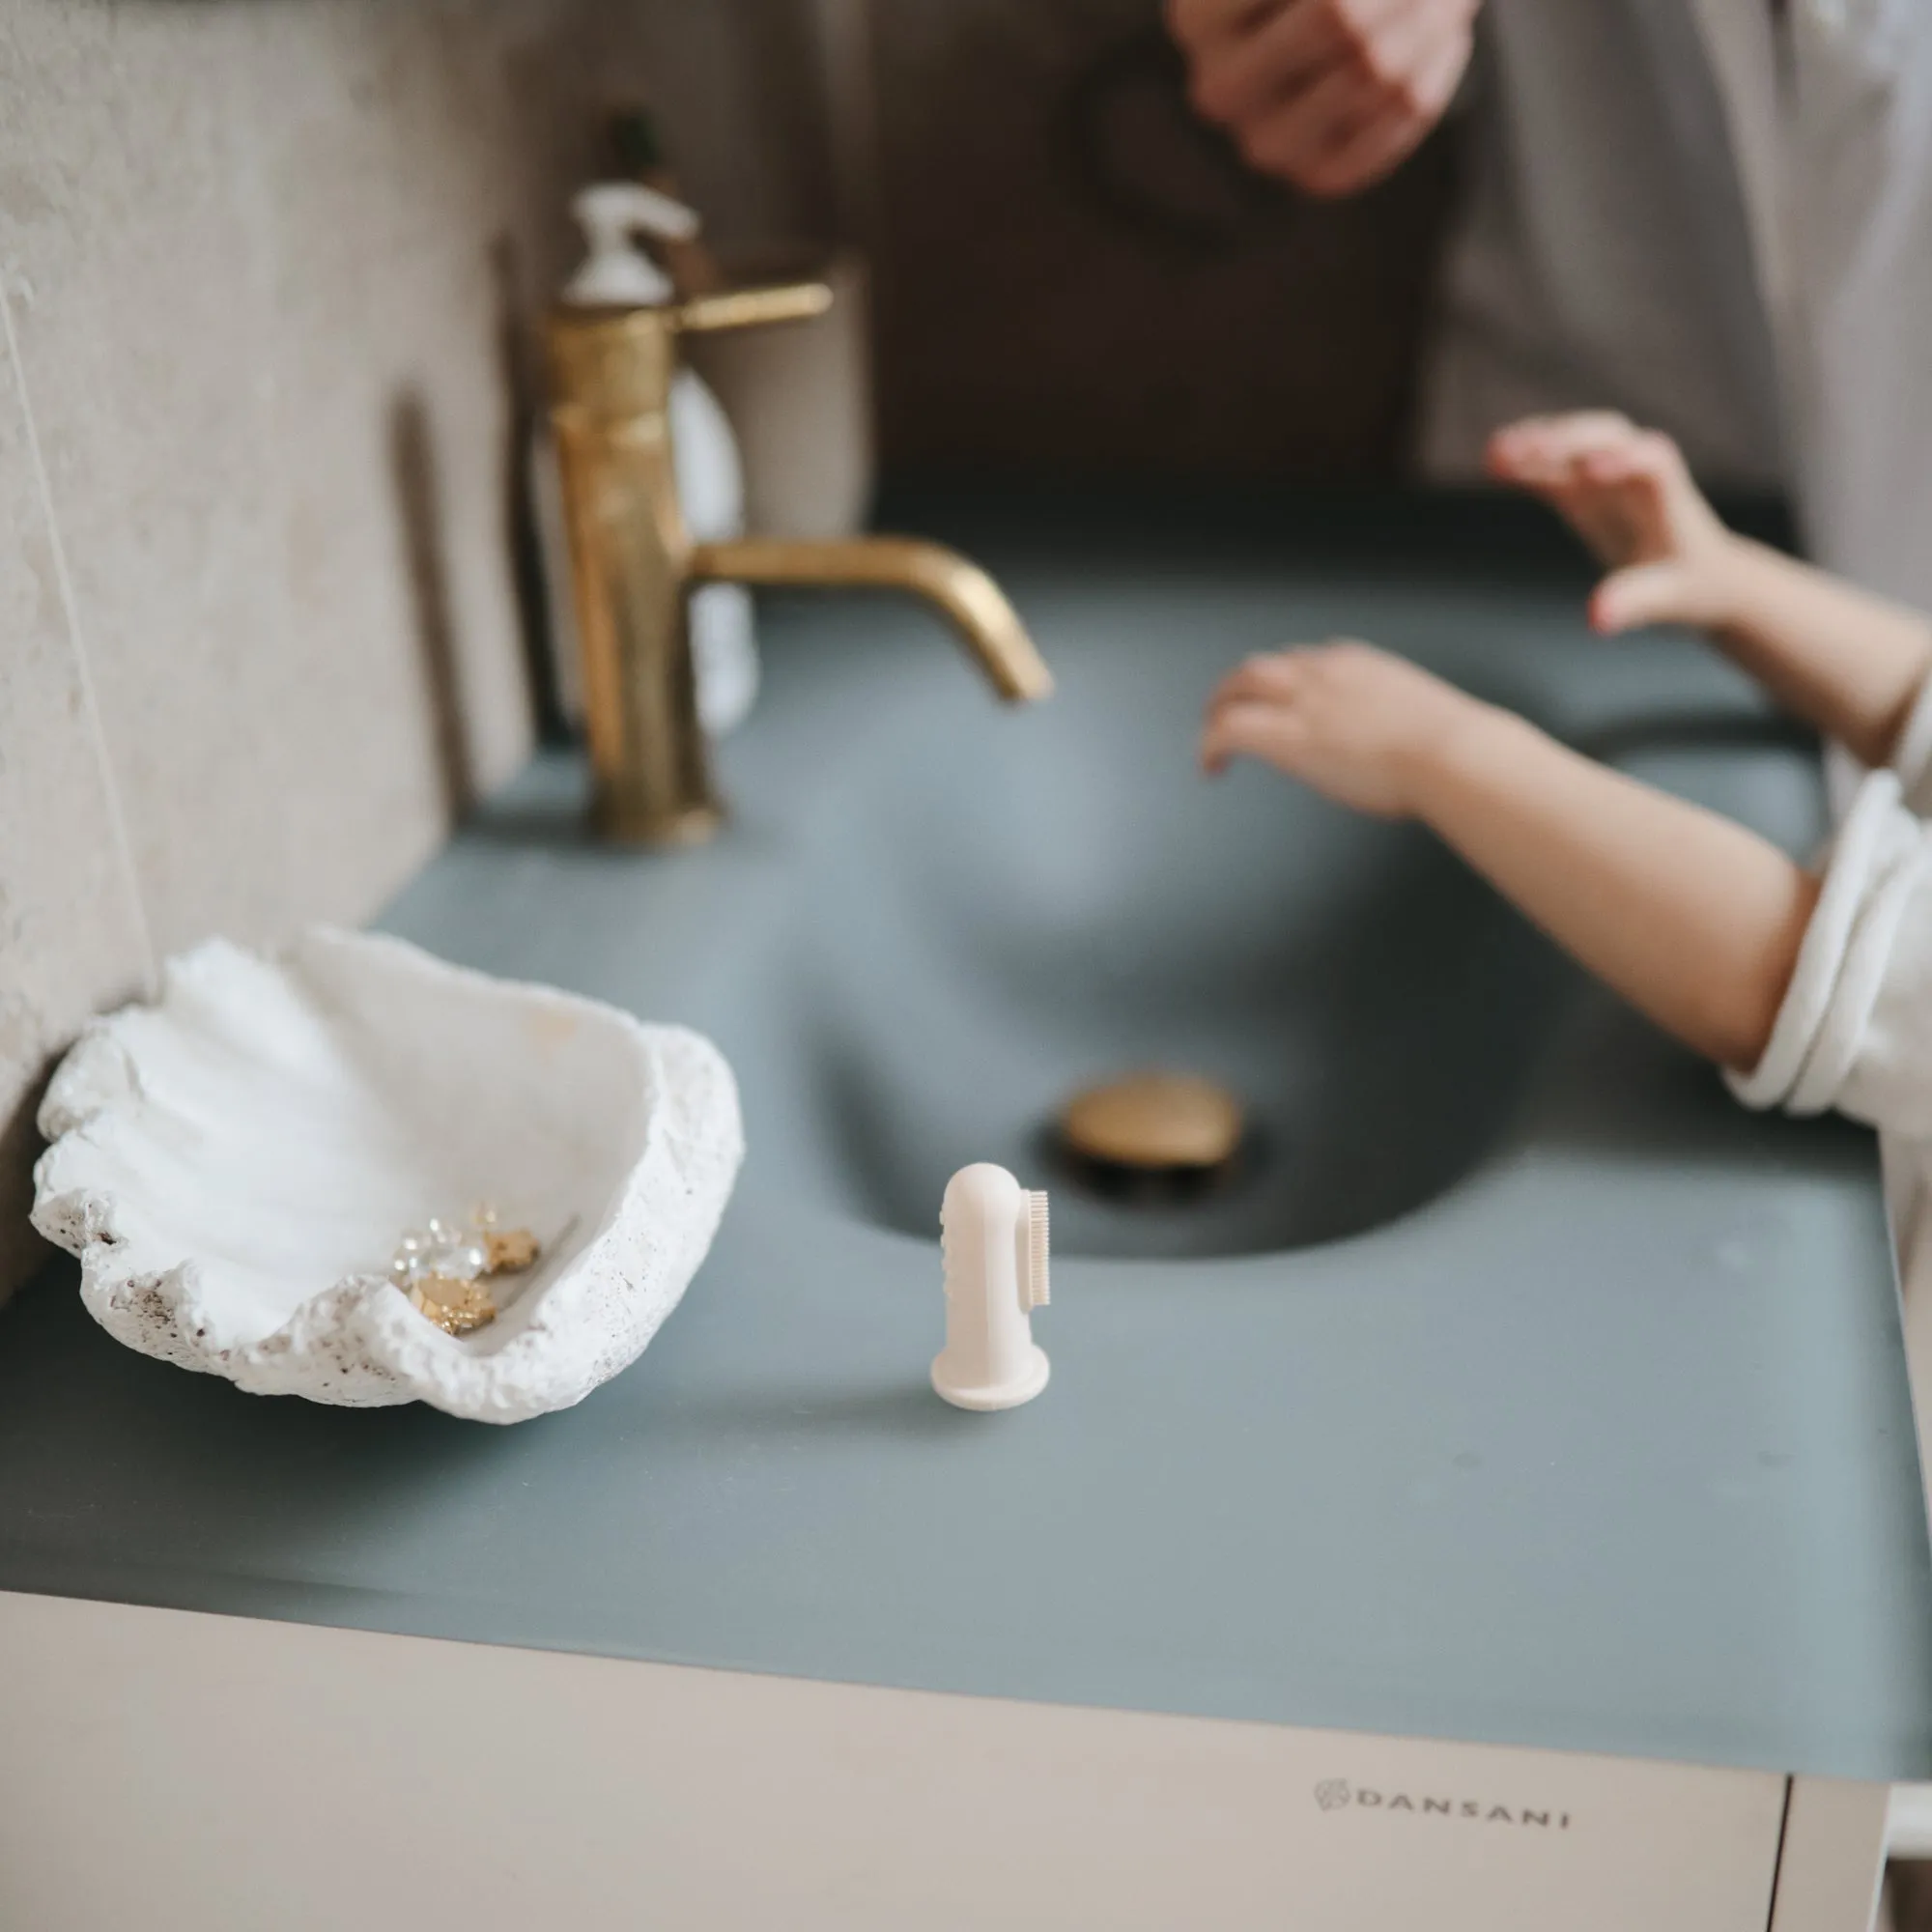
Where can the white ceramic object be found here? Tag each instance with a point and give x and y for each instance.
(704, 457)
(992, 1239)
(234, 1164)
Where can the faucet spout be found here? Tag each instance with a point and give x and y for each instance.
(962, 591)
(632, 561)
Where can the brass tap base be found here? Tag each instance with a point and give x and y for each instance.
(690, 825)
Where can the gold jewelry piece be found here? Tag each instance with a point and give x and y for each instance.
(510, 1252)
(438, 1267)
(455, 1306)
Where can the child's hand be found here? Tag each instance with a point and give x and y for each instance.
(1629, 495)
(1355, 722)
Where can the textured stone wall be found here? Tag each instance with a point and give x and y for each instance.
(263, 264)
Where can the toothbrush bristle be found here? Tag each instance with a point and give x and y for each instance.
(1038, 1245)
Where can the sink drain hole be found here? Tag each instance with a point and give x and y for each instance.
(1156, 1138)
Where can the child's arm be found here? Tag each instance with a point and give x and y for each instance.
(1694, 919)
(1850, 663)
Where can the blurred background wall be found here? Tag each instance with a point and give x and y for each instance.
(267, 275)
(1076, 277)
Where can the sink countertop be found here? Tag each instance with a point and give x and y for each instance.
(1606, 1447)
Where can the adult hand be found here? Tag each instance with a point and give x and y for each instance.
(1329, 95)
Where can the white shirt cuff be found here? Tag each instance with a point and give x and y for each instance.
(1877, 862)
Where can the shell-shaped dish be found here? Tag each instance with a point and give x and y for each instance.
(236, 1163)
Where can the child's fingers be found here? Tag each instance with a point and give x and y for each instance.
(1661, 460)
(1644, 593)
(1278, 677)
(1627, 464)
(1249, 728)
(1588, 431)
(1519, 454)
(1609, 504)
(1270, 678)
(1521, 439)
(1643, 459)
(1537, 467)
(1249, 713)
(1540, 450)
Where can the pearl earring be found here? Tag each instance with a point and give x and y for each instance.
(441, 1265)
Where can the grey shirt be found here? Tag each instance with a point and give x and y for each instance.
(1603, 257)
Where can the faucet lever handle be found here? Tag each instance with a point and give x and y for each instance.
(740, 308)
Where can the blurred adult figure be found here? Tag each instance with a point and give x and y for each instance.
(1712, 214)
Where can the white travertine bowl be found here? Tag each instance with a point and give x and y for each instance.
(235, 1163)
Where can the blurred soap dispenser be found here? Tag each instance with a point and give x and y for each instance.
(704, 456)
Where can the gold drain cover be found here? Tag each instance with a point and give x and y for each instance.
(1154, 1120)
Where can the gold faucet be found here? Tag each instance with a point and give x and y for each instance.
(632, 562)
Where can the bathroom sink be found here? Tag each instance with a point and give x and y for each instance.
(933, 920)
(995, 910)
(1519, 1388)
(983, 911)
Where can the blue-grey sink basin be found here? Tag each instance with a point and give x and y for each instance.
(976, 912)
(1001, 908)
(1525, 1390)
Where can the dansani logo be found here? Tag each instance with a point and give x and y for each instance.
(1336, 1793)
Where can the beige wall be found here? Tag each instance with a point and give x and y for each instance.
(262, 263)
